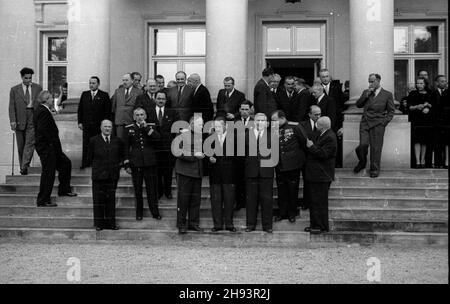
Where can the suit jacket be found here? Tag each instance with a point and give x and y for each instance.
(92, 112)
(253, 167)
(290, 106)
(18, 104)
(292, 147)
(140, 148)
(335, 92)
(144, 101)
(201, 103)
(165, 128)
(442, 107)
(305, 100)
(123, 108)
(187, 164)
(312, 135)
(106, 159)
(224, 170)
(321, 158)
(327, 107)
(263, 99)
(183, 103)
(46, 132)
(229, 105)
(377, 110)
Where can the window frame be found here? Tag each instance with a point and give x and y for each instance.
(44, 56)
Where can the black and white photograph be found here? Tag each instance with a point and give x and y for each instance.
(240, 145)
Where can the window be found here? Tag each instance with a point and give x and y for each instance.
(54, 61)
(177, 48)
(417, 46)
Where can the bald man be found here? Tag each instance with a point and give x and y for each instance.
(123, 102)
(201, 99)
(319, 173)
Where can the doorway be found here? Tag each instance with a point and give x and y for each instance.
(308, 69)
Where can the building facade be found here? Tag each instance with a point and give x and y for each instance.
(71, 40)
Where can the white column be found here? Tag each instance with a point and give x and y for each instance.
(226, 43)
(88, 44)
(18, 49)
(372, 44)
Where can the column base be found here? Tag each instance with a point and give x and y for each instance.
(396, 147)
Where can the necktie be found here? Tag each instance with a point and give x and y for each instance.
(93, 95)
(228, 95)
(127, 93)
(107, 140)
(27, 97)
(315, 128)
(160, 116)
(179, 94)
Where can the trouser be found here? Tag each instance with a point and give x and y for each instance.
(120, 132)
(188, 200)
(306, 199)
(25, 142)
(147, 174)
(318, 209)
(51, 161)
(259, 191)
(339, 152)
(287, 185)
(104, 196)
(222, 204)
(372, 137)
(440, 140)
(165, 172)
(240, 185)
(88, 132)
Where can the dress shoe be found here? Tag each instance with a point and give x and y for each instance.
(24, 172)
(374, 174)
(157, 216)
(249, 229)
(307, 229)
(292, 219)
(98, 228)
(182, 230)
(268, 230)
(71, 194)
(195, 228)
(216, 229)
(43, 204)
(278, 218)
(115, 228)
(315, 231)
(169, 196)
(232, 229)
(138, 218)
(358, 168)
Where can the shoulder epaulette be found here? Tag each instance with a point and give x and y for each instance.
(293, 123)
(129, 126)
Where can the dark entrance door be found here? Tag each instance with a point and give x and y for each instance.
(302, 68)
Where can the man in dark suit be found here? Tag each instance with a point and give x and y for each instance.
(305, 99)
(379, 110)
(259, 173)
(247, 121)
(180, 97)
(146, 101)
(160, 82)
(292, 143)
(107, 155)
(442, 124)
(94, 107)
(201, 99)
(229, 99)
(222, 176)
(310, 126)
(326, 104)
(263, 99)
(123, 102)
(22, 103)
(319, 174)
(140, 161)
(48, 147)
(333, 89)
(189, 170)
(164, 117)
(288, 101)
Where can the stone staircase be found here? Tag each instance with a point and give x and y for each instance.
(405, 207)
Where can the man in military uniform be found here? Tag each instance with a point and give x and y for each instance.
(141, 161)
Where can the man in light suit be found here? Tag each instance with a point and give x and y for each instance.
(379, 110)
(22, 103)
(123, 102)
(180, 97)
(263, 99)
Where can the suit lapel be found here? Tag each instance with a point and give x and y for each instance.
(21, 94)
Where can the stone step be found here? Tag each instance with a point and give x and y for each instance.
(25, 199)
(205, 211)
(150, 223)
(425, 192)
(238, 239)
(340, 181)
(429, 173)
